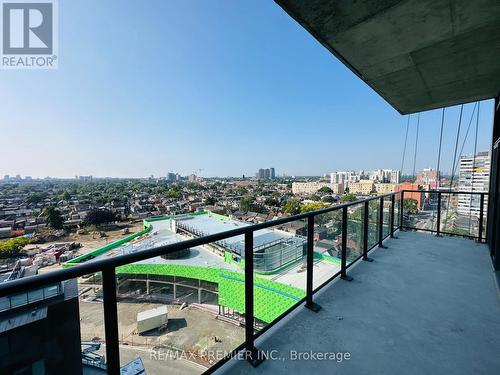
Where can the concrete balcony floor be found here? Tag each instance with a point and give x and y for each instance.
(426, 305)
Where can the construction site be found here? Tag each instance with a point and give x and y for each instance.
(202, 288)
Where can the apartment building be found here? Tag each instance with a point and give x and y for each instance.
(381, 175)
(312, 187)
(384, 188)
(428, 176)
(363, 187)
(474, 175)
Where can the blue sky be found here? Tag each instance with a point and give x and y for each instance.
(226, 86)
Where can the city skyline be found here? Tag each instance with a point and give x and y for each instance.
(175, 176)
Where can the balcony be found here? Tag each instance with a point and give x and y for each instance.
(378, 298)
(424, 305)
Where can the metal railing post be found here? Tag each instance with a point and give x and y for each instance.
(310, 262)
(393, 202)
(110, 320)
(438, 224)
(381, 223)
(251, 354)
(343, 263)
(401, 213)
(481, 217)
(365, 233)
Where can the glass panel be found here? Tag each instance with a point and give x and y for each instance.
(428, 214)
(397, 210)
(4, 303)
(387, 216)
(167, 305)
(209, 298)
(421, 210)
(91, 316)
(208, 285)
(412, 204)
(280, 269)
(454, 214)
(355, 235)
(186, 294)
(35, 295)
(161, 291)
(51, 291)
(327, 246)
(468, 214)
(19, 299)
(187, 281)
(485, 216)
(373, 220)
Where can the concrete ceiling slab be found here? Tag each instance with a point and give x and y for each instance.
(417, 54)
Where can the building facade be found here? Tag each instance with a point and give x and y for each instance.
(304, 188)
(363, 187)
(384, 188)
(40, 329)
(474, 175)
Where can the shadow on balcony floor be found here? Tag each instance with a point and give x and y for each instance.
(426, 305)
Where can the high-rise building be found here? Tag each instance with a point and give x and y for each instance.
(344, 177)
(474, 175)
(266, 174)
(394, 176)
(171, 176)
(380, 175)
(313, 187)
(428, 176)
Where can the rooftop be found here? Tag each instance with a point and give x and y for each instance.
(213, 223)
(425, 305)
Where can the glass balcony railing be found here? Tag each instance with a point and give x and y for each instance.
(446, 212)
(240, 294)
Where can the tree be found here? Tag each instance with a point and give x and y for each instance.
(349, 197)
(246, 203)
(410, 206)
(98, 217)
(65, 196)
(271, 202)
(325, 190)
(328, 199)
(173, 193)
(36, 197)
(11, 248)
(315, 197)
(291, 207)
(241, 190)
(53, 217)
(306, 207)
(210, 201)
